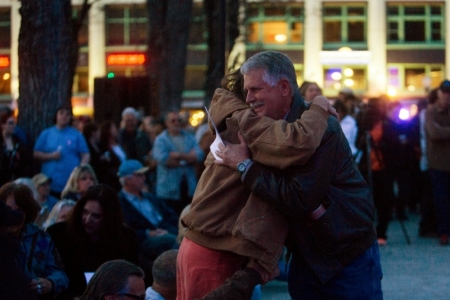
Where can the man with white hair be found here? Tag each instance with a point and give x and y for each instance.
(136, 143)
(155, 224)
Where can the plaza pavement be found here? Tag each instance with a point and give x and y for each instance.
(418, 271)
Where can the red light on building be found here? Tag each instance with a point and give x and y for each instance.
(4, 61)
(125, 59)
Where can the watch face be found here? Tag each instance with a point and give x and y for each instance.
(241, 167)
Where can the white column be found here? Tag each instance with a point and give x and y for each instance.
(313, 70)
(447, 39)
(14, 54)
(97, 56)
(376, 42)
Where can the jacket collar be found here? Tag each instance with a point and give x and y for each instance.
(298, 107)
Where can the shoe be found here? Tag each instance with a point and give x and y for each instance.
(443, 239)
(382, 242)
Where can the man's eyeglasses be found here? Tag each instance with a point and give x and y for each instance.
(137, 297)
(173, 121)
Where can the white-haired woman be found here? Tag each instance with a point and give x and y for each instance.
(59, 212)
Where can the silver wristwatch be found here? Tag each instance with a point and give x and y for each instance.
(242, 166)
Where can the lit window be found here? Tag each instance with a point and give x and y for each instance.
(274, 24)
(336, 78)
(414, 78)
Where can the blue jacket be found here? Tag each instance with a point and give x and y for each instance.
(40, 258)
(135, 220)
(168, 179)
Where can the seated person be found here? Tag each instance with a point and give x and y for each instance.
(81, 178)
(42, 184)
(93, 234)
(116, 279)
(59, 213)
(154, 222)
(38, 257)
(164, 273)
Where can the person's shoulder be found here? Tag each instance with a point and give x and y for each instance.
(57, 229)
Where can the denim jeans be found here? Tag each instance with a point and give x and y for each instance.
(440, 183)
(359, 280)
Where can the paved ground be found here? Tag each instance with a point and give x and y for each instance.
(419, 271)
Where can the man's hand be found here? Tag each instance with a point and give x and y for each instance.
(324, 103)
(266, 276)
(232, 154)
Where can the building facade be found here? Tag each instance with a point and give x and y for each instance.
(374, 47)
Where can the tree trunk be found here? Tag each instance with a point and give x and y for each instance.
(45, 50)
(169, 22)
(222, 26)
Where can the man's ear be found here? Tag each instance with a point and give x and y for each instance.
(285, 87)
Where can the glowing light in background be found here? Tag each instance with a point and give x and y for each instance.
(349, 82)
(6, 76)
(403, 114)
(391, 91)
(280, 38)
(348, 72)
(336, 76)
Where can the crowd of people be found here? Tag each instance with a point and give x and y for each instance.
(143, 210)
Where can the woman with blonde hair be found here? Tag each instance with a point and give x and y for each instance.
(81, 178)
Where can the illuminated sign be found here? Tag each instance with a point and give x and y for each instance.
(4, 61)
(128, 59)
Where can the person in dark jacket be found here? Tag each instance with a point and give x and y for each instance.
(38, 257)
(13, 282)
(155, 223)
(93, 234)
(14, 154)
(327, 202)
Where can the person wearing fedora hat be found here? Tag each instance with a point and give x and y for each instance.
(437, 127)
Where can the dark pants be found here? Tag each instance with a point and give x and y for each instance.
(359, 280)
(427, 212)
(383, 196)
(440, 182)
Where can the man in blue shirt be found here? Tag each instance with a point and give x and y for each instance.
(60, 149)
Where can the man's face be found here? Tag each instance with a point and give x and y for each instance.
(265, 100)
(443, 99)
(63, 117)
(130, 122)
(92, 217)
(136, 182)
(173, 122)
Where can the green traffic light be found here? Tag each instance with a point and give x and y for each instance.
(110, 75)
